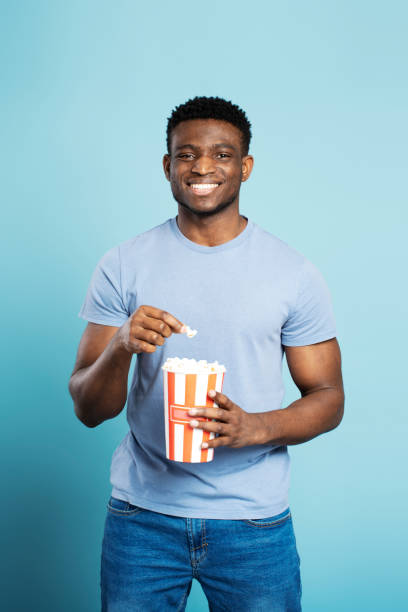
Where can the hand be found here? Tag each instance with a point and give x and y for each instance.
(235, 427)
(146, 329)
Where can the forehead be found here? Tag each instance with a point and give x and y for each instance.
(205, 132)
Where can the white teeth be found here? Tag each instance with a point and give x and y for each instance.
(205, 186)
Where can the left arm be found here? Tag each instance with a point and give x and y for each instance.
(316, 371)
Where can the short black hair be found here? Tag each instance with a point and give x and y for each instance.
(202, 107)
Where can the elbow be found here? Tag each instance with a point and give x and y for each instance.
(90, 425)
(85, 418)
(83, 415)
(339, 413)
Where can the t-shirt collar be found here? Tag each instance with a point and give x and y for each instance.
(237, 241)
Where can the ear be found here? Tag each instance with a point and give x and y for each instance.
(166, 165)
(247, 165)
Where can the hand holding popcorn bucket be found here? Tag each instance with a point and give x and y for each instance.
(186, 385)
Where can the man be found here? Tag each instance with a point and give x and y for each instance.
(252, 298)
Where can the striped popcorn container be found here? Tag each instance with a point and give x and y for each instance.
(186, 385)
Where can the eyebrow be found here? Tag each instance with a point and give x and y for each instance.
(224, 145)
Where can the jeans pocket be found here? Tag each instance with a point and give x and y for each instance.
(122, 508)
(270, 521)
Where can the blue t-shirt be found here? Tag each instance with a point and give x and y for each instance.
(247, 298)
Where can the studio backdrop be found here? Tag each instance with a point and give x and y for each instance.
(86, 89)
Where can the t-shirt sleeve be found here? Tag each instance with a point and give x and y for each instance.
(104, 301)
(311, 319)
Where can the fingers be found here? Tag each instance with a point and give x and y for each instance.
(221, 399)
(140, 346)
(148, 336)
(209, 413)
(167, 318)
(148, 328)
(214, 426)
(225, 412)
(220, 441)
(156, 325)
(222, 435)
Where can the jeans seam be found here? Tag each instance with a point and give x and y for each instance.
(124, 512)
(204, 545)
(270, 524)
(183, 601)
(189, 540)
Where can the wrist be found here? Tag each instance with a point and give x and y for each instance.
(119, 353)
(266, 430)
(260, 429)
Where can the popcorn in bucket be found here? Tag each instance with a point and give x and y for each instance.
(186, 385)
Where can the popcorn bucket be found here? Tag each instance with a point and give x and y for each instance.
(184, 390)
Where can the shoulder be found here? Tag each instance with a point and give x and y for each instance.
(300, 271)
(282, 252)
(127, 249)
(148, 238)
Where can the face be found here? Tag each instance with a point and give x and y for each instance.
(206, 166)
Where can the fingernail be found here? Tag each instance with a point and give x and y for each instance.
(211, 393)
(192, 411)
(204, 445)
(193, 423)
(183, 329)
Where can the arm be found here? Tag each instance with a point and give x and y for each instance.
(98, 383)
(316, 371)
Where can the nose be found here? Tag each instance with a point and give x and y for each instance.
(203, 165)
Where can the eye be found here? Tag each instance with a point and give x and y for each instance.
(223, 155)
(185, 156)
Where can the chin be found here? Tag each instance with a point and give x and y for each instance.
(208, 209)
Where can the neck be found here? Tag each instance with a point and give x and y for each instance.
(212, 230)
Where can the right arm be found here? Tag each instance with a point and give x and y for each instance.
(98, 383)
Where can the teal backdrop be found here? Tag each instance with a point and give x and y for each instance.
(86, 88)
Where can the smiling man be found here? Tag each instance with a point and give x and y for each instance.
(253, 299)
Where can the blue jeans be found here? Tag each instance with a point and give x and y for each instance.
(149, 560)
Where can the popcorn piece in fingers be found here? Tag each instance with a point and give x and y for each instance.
(190, 332)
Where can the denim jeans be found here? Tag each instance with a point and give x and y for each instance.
(149, 560)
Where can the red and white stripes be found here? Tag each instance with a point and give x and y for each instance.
(181, 392)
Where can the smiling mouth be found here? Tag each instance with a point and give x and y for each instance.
(203, 188)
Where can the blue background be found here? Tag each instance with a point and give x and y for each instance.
(86, 90)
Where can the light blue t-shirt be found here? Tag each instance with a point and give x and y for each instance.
(246, 298)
